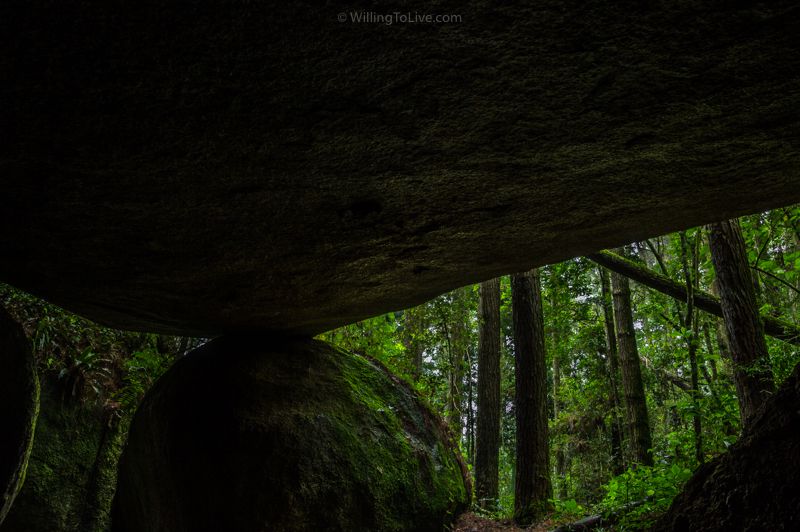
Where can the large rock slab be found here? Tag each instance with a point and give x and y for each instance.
(269, 434)
(19, 408)
(754, 486)
(261, 165)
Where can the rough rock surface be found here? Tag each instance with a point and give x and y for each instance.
(260, 165)
(754, 486)
(71, 474)
(19, 407)
(268, 434)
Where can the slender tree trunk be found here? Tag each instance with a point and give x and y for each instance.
(412, 330)
(470, 410)
(617, 460)
(560, 451)
(745, 330)
(532, 486)
(696, 417)
(635, 402)
(692, 335)
(454, 395)
(488, 425)
(454, 377)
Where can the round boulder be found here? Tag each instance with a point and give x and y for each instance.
(249, 434)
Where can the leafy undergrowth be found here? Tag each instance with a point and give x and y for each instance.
(637, 497)
(633, 501)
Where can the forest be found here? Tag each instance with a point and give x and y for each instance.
(399, 266)
(584, 393)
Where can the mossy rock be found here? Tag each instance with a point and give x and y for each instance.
(275, 434)
(19, 404)
(71, 474)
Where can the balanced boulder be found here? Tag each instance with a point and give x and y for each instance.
(249, 434)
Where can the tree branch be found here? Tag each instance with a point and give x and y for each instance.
(775, 327)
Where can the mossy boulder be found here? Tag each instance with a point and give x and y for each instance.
(19, 407)
(249, 434)
(71, 474)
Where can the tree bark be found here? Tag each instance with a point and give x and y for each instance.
(412, 328)
(560, 451)
(471, 376)
(745, 330)
(774, 327)
(635, 402)
(454, 329)
(691, 333)
(488, 423)
(532, 486)
(617, 460)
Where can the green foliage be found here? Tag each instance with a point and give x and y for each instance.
(566, 511)
(579, 400)
(86, 369)
(142, 370)
(93, 364)
(638, 496)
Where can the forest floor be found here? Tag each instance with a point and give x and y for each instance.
(469, 522)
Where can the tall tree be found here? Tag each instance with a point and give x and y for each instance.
(532, 486)
(413, 323)
(488, 423)
(691, 333)
(745, 330)
(453, 316)
(553, 329)
(617, 460)
(633, 387)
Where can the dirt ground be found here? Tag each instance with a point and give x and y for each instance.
(469, 522)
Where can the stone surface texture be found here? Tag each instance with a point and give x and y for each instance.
(262, 166)
(19, 409)
(251, 434)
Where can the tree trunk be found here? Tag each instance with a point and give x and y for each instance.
(777, 328)
(691, 326)
(617, 461)
(745, 331)
(635, 402)
(488, 424)
(560, 451)
(455, 373)
(470, 408)
(532, 486)
(412, 330)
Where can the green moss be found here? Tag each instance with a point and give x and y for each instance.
(302, 437)
(70, 478)
(399, 444)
